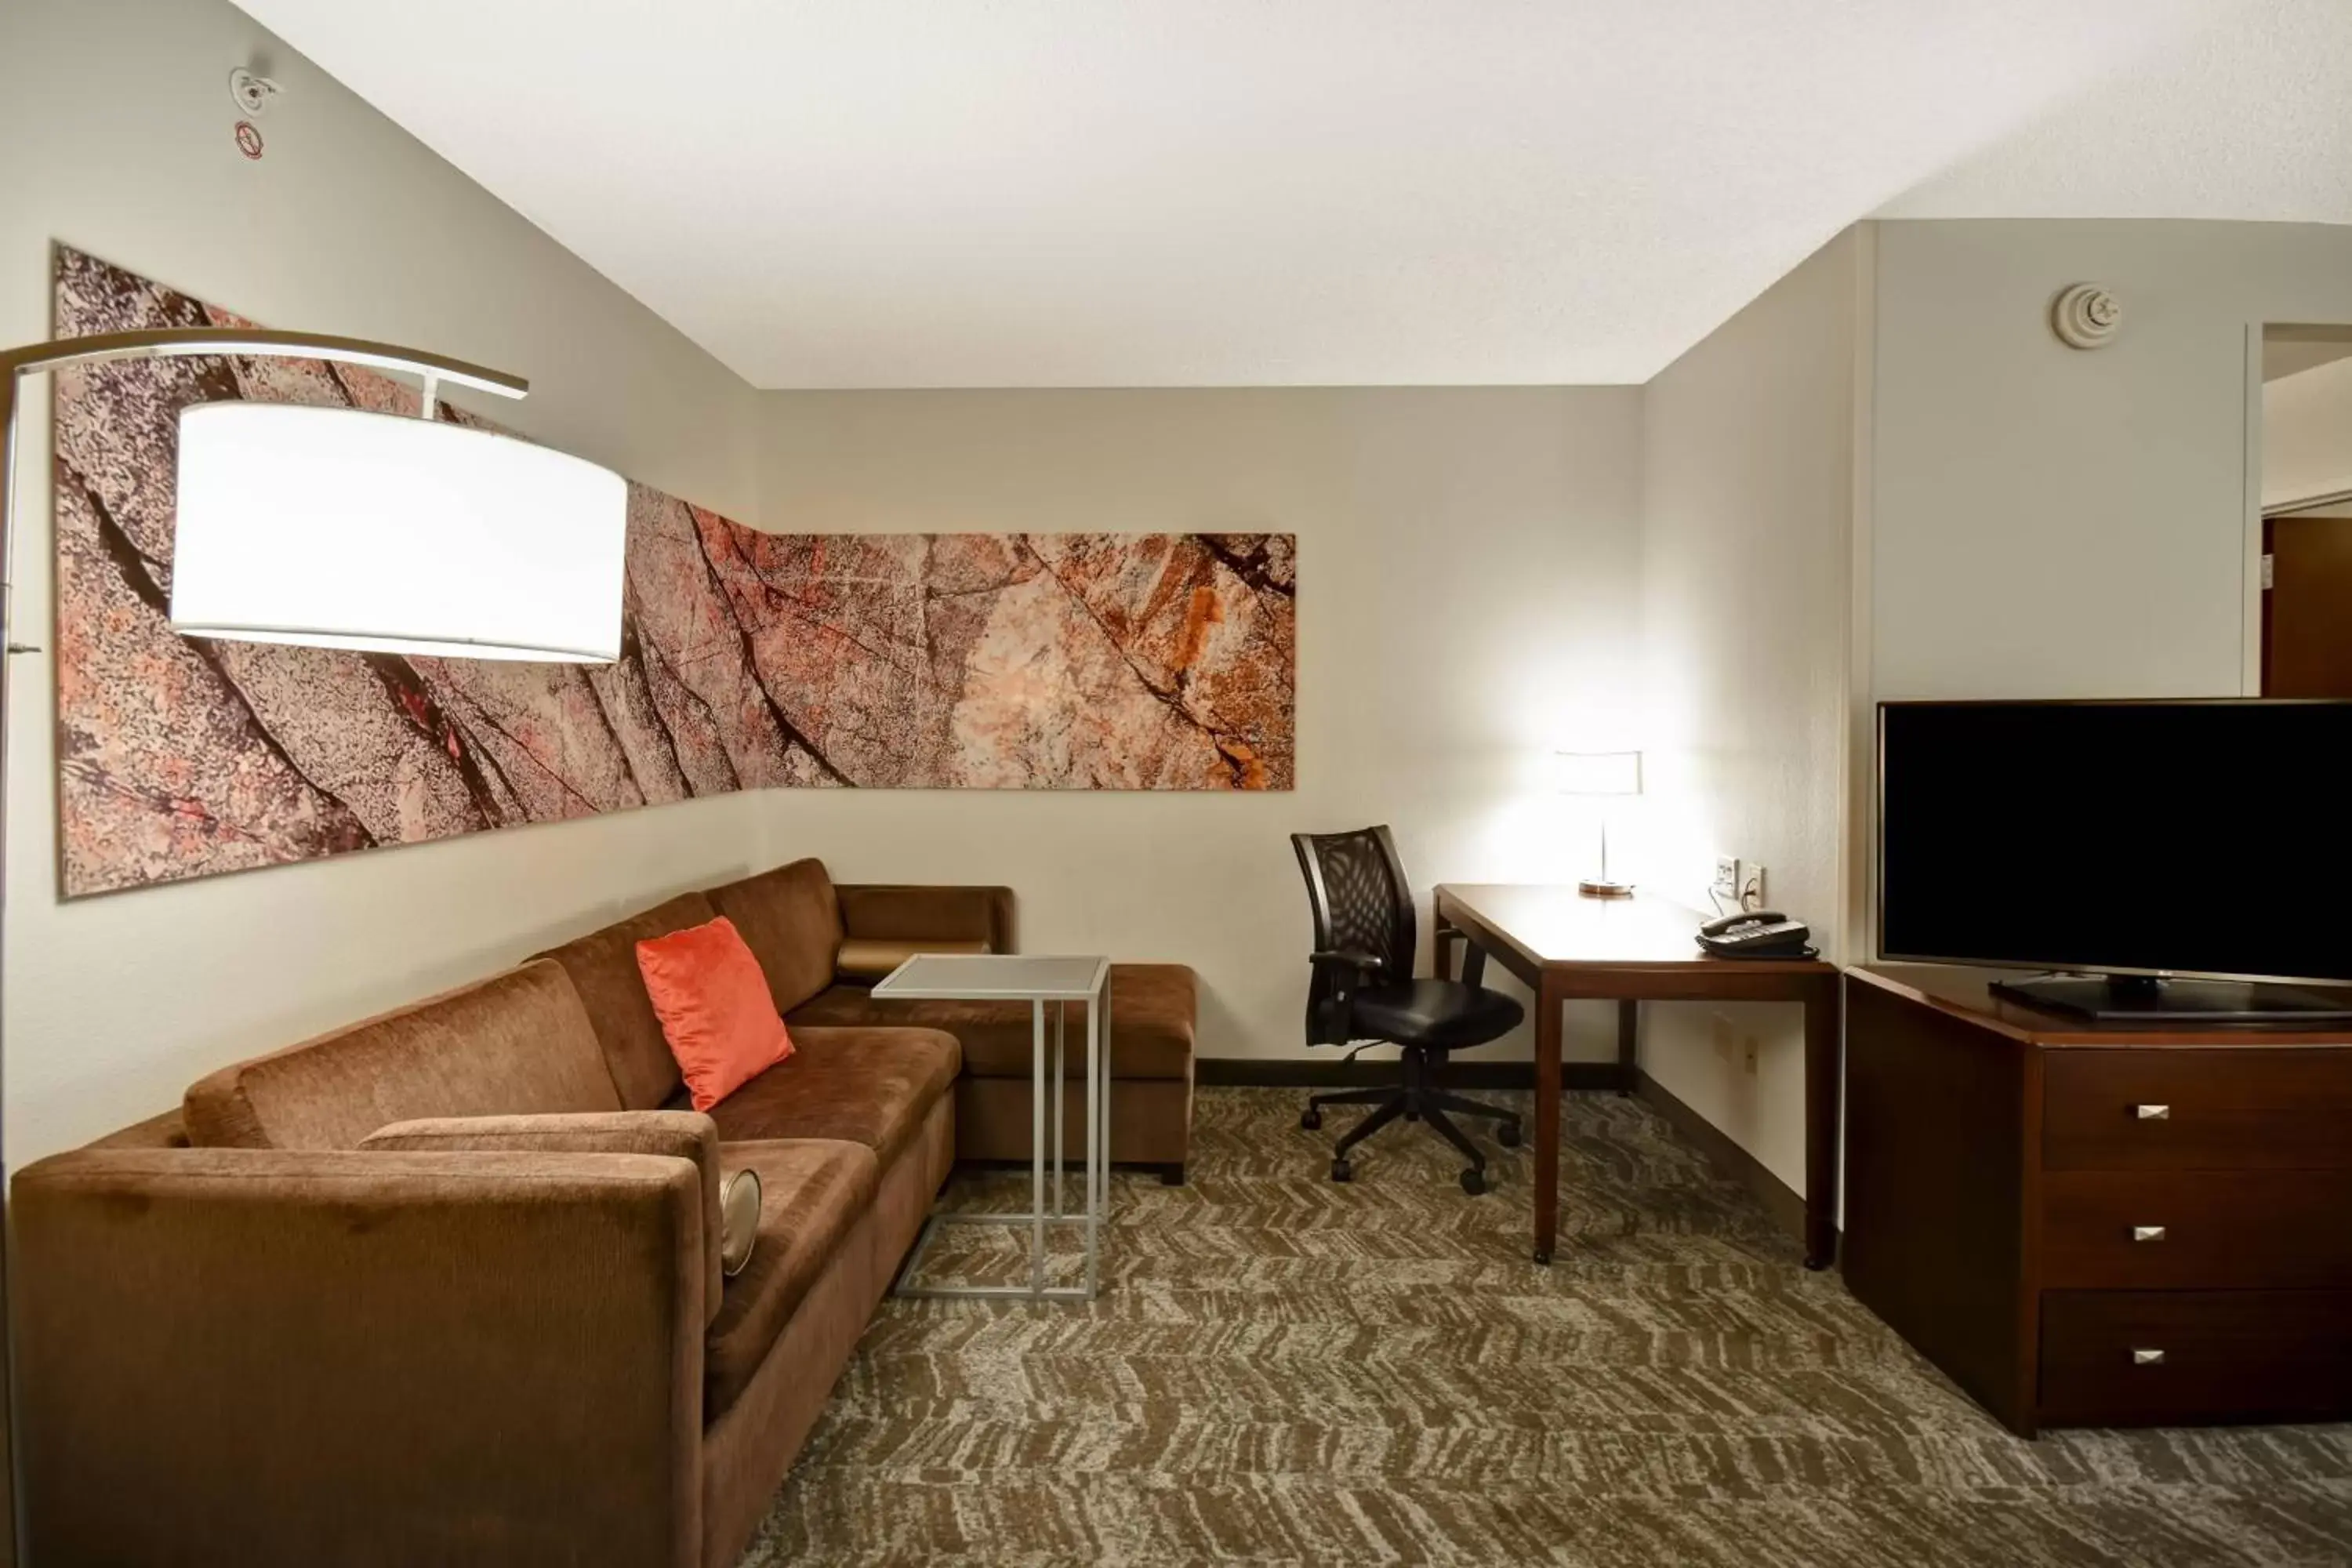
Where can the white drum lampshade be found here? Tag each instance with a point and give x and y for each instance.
(1597, 772)
(341, 528)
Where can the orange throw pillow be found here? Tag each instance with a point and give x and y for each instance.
(715, 1009)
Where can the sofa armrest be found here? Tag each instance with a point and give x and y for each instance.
(878, 911)
(675, 1134)
(277, 1356)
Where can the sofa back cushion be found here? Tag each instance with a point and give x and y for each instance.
(791, 921)
(603, 968)
(516, 1045)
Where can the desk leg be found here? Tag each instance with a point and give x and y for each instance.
(1823, 1037)
(1628, 1036)
(1547, 1007)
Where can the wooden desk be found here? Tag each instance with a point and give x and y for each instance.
(1565, 947)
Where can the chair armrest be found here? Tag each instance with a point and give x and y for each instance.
(272, 1355)
(1331, 999)
(907, 912)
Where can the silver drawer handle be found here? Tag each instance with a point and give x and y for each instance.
(2147, 1233)
(2147, 1358)
(2153, 1112)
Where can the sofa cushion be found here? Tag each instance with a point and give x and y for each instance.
(714, 1008)
(812, 1193)
(1151, 1007)
(518, 1044)
(861, 1086)
(791, 923)
(603, 968)
(867, 959)
(902, 911)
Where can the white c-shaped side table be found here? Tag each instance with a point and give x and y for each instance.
(1038, 981)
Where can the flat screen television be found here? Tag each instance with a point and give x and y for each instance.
(2169, 860)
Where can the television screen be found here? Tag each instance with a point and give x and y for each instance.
(2180, 838)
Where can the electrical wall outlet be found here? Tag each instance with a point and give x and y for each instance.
(1752, 885)
(1727, 877)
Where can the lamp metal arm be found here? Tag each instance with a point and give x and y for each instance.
(165, 342)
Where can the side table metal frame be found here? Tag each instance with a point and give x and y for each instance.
(1039, 1215)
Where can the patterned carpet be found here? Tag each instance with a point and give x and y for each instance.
(1283, 1371)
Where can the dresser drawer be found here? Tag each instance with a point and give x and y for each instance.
(2182, 1108)
(2158, 1230)
(2151, 1358)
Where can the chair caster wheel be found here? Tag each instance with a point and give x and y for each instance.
(1473, 1181)
(1342, 1172)
(1508, 1134)
(1310, 1119)
(1544, 1259)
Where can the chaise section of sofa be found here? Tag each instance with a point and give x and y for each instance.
(1152, 1008)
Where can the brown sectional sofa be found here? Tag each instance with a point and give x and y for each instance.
(243, 1337)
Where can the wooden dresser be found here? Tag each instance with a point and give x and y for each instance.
(2095, 1226)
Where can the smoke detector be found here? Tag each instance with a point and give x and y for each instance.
(251, 91)
(2086, 315)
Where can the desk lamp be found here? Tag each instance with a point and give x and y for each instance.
(1603, 774)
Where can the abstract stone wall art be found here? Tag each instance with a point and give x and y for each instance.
(750, 659)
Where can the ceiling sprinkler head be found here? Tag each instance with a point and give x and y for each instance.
(252, 91)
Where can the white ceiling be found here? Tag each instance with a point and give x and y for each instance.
(1089, 192)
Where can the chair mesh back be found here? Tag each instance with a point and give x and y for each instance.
(1356, 886)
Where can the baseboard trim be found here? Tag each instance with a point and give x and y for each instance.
(1779, 1200)
(1284, 1072)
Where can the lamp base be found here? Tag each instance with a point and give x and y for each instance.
(1593, 889)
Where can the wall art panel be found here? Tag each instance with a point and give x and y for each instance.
(750, 659)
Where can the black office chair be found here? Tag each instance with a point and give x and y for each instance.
(1363, 993)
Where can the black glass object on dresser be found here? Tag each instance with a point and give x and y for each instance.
(1362, 992)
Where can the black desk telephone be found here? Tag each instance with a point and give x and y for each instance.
(1758, 934)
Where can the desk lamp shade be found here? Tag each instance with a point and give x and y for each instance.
(1599, 773)
(341, 528)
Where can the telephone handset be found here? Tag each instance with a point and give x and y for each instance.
(1758, 934)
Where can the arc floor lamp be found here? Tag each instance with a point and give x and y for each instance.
(343, 528)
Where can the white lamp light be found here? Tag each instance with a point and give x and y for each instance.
(341, 528)
(1600, 774)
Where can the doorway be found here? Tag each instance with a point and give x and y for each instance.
(2307, 504)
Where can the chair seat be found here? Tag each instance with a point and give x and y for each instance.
(1442, 1013)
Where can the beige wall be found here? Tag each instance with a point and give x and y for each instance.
(1469, 592)
(118, 119)
(1887, 479)
(2057, 523)
(2307, 434)
(1749, 448)
(1467, 564)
